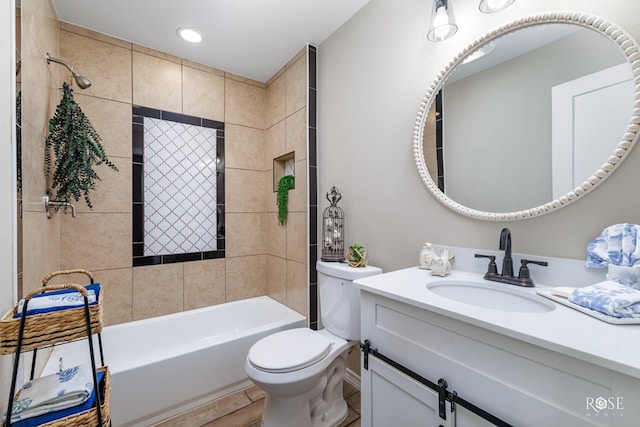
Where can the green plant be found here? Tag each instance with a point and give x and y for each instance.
(356, 252)
(285, 184)
(77, 148)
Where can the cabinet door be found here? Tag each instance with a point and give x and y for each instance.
(391, 398)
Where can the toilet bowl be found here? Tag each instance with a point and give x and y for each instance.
(302, 370)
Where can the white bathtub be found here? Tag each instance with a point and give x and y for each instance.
(167, 365)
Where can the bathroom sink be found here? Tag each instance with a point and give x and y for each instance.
(493, 297)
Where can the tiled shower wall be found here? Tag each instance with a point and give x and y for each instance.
(39, 83)
(262, 121)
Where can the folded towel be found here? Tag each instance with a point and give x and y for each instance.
(59, 300)
(64, 389)
(610, 298)
(63, 413)
(617, 245)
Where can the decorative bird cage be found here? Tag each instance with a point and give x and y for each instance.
(333, 228)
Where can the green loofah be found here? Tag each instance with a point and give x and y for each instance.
(285, 184)
(77, 147)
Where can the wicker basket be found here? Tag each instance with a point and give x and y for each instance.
(89, 418)
(53, 327)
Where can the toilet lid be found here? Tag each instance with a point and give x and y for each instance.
(289, 350)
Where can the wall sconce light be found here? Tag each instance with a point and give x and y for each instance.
(333, 229)
(443, 23)
(492, 6)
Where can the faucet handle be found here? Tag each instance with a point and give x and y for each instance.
(493, 268)
(524, 270)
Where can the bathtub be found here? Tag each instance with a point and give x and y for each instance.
(167, 365)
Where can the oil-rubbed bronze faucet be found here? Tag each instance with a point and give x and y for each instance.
(524, 277)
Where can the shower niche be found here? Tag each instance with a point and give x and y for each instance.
(283, 166)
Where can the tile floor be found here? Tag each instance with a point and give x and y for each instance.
(244, 409)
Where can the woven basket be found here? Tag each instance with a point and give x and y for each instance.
(89, 418)
(53, 327)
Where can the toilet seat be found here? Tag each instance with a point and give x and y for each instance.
(289, 350)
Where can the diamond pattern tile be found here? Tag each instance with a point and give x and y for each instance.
(179, 188)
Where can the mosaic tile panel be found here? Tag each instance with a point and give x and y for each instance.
(179, 187)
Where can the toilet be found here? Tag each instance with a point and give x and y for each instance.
(302, 370)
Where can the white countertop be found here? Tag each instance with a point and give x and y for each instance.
(564, 330)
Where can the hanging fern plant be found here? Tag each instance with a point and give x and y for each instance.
(77, 148)
(285, 184)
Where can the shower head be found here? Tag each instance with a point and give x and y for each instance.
(82, 81)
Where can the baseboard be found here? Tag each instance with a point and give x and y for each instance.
(352, 378)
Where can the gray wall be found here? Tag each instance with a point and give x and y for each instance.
(373, 74)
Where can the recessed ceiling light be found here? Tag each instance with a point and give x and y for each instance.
(189, 35)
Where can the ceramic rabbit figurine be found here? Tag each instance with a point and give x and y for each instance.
(427, 255)
(441, 265)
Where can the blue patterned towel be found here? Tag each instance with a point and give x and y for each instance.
(59, 300)
(62, 390)
(610, 298)
(617, 245)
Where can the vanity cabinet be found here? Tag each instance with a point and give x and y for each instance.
(517, 381)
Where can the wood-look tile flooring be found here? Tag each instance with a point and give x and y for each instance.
(244, 409)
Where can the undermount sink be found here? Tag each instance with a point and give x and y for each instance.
(491, 296)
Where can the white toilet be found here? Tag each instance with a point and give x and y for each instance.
(301, 370)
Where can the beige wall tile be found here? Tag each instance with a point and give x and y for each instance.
(297, 287)
(204, 283)
(297, 237)
(157, 290)
(276, 101)
(245, 234)
(244, 147)
(275, 139)
(41, 243)
(296, 77)
(243, 190)
(157, 83)
(94, 35)
(110, 80)
(118, 294)
(298, 196)
(244, 104)
(112, 121)
(96, 241)
(202, 94)
(276, 278)
(270, 199)
(245, 277)
(275, 236)
(156, 53)
(296, 133)
(113, 189)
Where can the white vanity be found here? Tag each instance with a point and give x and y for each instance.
(521, 358)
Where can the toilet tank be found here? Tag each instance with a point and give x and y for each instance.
(339, 298)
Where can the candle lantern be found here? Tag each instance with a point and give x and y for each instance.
(333, 228)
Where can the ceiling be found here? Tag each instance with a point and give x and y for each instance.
(251, 38)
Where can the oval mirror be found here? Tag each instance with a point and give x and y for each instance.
(530, 117)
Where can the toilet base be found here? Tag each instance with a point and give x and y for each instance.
(322, 406)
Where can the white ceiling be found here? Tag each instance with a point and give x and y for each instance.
(251, 38)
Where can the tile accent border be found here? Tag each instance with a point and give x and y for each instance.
(312, 176)
(139, 259)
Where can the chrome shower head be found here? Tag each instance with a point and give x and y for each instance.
(82, 81)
